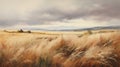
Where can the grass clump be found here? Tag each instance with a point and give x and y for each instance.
(44, 62)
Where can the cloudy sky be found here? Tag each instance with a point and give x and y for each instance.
(58, 14)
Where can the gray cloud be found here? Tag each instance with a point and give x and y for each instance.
(34, 12)
(108, 9)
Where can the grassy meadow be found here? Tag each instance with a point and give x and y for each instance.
(60, 49)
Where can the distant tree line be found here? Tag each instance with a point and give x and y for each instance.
(21, 31)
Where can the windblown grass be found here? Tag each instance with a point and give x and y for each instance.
(39, 50)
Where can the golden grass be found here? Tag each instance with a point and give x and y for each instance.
(60, 50)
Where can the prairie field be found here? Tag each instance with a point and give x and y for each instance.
(60, 49)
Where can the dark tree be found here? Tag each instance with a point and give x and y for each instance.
(20, 31)
(28, 31)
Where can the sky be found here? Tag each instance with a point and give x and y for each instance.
(58, 14)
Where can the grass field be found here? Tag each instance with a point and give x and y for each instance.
(60, 49)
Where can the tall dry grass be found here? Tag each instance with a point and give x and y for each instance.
(30, 50)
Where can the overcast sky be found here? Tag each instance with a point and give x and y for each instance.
(58, 14)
